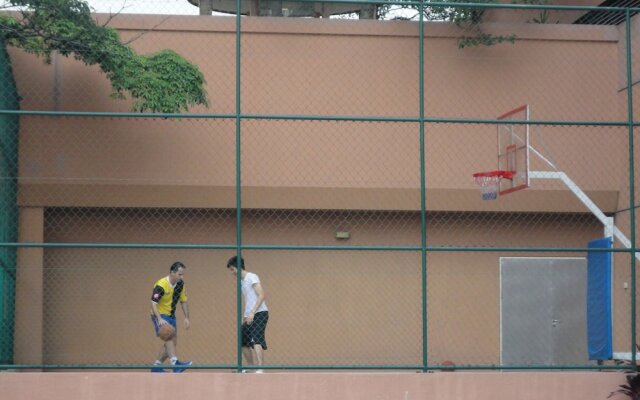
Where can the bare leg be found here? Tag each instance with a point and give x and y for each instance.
(170, 348)
(162, 355)
(248, 355)
(259, 354)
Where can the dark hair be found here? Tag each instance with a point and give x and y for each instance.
(176, 266)
(233, 262)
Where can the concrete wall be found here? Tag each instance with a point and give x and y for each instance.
(623, 217)
(87, 162)
(328, 307)
(312, 386)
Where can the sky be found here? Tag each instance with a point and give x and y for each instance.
(182, 7)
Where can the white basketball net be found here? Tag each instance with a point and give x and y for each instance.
(489, 186)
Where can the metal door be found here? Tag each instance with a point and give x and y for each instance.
(543, 311)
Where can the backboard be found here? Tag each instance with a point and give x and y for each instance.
(513, 148)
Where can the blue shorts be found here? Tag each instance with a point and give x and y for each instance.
(167, 318)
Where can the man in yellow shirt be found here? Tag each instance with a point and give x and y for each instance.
(167, 292)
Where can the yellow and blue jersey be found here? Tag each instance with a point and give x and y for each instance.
(167, 296)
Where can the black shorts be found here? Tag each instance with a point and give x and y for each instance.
(254, 334)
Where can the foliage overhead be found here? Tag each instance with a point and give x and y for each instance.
(467, 18)
(161, 82)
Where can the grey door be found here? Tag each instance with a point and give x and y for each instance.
(543, 311)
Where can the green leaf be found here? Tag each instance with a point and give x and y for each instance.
(160, 82)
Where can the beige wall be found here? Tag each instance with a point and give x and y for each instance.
(143, 167)
(312, 386)
(87, 162)
(28, 343)
(622, 262)
(328, 307)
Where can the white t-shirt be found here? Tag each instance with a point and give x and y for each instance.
(250, 295)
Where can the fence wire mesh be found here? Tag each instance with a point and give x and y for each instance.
(335, 154)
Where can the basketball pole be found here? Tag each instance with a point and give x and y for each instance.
(610, 228)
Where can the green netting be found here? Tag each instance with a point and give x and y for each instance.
(337, 157)
(8, 206)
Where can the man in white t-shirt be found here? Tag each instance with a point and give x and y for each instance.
(255, 315)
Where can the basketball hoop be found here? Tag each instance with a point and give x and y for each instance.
(489, 182)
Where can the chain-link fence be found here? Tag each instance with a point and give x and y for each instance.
(335, 154)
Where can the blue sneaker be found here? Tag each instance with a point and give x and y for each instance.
(181, 363)
(157, 369)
